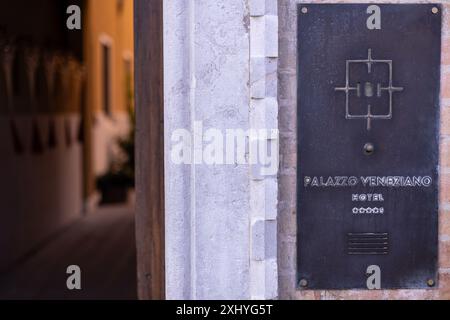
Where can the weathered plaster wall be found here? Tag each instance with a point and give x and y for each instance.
(287, 98)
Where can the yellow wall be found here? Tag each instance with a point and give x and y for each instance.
(107, 19)
(103, 18)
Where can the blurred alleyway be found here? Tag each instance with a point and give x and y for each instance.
(102, 244)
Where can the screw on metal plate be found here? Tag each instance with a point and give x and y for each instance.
(434, 10)
(303, 283)
(304, 10)
(369, 149)
(430, 283)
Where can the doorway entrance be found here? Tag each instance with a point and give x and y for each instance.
(67, 131)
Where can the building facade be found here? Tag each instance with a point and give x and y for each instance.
(65, 97)
(231, 231)
(108, 52)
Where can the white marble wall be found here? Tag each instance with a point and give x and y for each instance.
(216, 222)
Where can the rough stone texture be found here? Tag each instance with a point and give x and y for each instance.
(257, 242)
(177, 201)
(263, 115)
(257, 7)
(287, 74)
(207, 207)
(221, 69)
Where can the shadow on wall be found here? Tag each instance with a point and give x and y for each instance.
(40, 137)
(39, 193)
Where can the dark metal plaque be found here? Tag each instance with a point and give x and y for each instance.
(368, 145)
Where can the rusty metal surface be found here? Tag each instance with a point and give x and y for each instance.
(368, 145)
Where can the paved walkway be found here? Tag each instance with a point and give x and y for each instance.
(103, 245)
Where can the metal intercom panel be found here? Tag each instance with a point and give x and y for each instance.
(368, 145)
